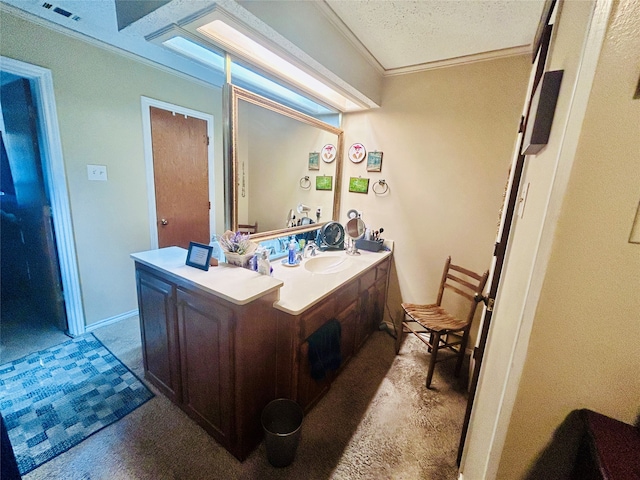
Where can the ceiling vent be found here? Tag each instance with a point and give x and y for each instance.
(61, 11)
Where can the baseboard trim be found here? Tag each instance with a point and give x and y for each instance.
(110, 320)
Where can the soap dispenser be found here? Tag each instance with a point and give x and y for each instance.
(292, 251)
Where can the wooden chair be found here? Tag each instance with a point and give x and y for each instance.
(439, 329)
(245, 228)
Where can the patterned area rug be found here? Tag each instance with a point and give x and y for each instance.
(53, 399)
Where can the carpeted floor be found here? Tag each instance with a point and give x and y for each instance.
(378, 421)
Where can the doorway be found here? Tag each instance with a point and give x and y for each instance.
(179, 159)
(33, 311)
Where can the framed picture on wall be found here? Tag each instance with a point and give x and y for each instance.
(374, 162)
(359, 185)
(324, 182)
(329, 153)
(314, 161)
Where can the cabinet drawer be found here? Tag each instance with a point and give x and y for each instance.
(367, 279)
(346, 295)
(382, 270)
(317, 317)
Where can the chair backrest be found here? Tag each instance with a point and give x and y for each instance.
(245, 228)
(465, 283)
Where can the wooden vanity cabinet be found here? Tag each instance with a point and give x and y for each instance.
(214, 359)
(358, 306)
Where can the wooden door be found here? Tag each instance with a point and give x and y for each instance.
(181, 178)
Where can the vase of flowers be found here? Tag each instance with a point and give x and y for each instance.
(238, 249)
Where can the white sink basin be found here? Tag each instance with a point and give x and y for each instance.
(327, 264)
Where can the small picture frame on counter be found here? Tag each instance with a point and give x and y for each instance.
(199, 255)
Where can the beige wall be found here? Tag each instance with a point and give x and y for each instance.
(98, 103)
(583, 351)
(447, 137)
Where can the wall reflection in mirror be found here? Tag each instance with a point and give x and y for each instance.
(285, 181)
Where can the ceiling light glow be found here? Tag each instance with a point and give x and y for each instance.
(243, 46)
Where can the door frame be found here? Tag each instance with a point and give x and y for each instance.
(488, 430)
(55, 180)
(146, 103)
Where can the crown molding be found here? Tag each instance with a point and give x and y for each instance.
(335, 20)
(464, 60)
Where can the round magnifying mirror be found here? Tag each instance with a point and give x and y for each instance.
(355, 228)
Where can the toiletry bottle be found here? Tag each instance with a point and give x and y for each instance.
(292, 251)
(264, 267)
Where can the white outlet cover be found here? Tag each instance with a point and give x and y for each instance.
(97, 172)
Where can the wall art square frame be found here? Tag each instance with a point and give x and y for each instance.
(374, 161)
(314, 161)
(324, 182)
(199, 255)
(359, 185)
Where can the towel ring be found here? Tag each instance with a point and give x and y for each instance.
(383, 187)
(305, 183)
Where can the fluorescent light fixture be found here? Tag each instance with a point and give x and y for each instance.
(246, 78)
(231, 39)
(193, 50)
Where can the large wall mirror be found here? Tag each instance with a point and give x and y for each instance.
(268, 167)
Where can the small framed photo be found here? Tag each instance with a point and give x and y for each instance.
(324, 182)
(374, 162)
(314, 161)
(359, 185)
(199, 255)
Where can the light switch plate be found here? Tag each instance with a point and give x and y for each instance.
(97, 172)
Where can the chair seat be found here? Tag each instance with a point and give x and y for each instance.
(433, 317)
(438, 329)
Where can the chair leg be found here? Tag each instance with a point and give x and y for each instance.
(435, 336)
(463, 348)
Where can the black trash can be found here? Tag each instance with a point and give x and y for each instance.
(282, 422)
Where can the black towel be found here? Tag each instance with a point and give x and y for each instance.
(324, 349)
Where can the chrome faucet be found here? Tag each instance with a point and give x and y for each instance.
(310, 249)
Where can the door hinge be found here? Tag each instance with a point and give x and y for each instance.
(207, 140)
(521, 126)
(488, 301)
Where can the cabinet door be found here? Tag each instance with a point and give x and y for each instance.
(205, 354)
(159, 336)
(364, 321)
(309, 389)
(379, 304)
(348, 319)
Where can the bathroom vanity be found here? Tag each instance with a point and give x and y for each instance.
(223, 343)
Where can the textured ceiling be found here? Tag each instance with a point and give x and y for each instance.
(395, 33)
(404, 33)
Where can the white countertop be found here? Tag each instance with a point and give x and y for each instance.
(234, 284)
(302, 289)
(299, 288)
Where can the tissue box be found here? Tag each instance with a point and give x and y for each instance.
(370, 245)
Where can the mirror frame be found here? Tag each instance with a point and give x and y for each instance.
(232, 94)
